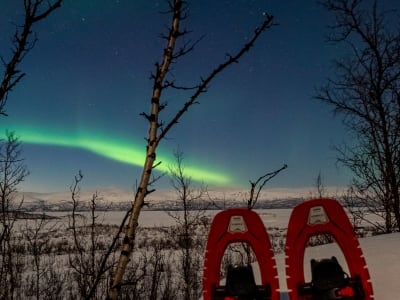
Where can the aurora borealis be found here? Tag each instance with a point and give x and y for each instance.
(87, 81)
(119, 150)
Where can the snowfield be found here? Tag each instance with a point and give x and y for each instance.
(381, 252)
(383, 259)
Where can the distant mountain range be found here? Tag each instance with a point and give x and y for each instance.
(119, 199)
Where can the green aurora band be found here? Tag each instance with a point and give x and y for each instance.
(114, 148)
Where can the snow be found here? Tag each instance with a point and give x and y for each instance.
(383, 260)
(381, 252)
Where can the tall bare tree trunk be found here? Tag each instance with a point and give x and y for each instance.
(157, 133)
(152, 143)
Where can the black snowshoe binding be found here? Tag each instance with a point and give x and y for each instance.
(240, 285)
(330, 282)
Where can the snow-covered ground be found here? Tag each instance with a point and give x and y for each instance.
(382, 252)
(383, 259)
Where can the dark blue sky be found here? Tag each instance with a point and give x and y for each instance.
(88, 76)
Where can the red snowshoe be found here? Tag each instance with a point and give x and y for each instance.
(329, 282)
(239, 226)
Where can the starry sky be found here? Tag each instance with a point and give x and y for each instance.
(88, 79)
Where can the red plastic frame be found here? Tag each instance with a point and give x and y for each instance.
(255, 235)
(338, 225)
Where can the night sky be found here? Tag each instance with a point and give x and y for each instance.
(88, 80)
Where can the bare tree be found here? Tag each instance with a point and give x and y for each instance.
(151, 275)
(366, 94)
(44, 280)
(243, 250)
(12, 172)
(89, 267)
(23, 41)
(158, 129)
(188, 223)
(258, 185)
(319, 184)
(319, 187)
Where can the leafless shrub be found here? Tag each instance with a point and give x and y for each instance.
(12, 172)
(89, 266)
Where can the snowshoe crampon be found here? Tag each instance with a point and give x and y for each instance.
(239, 226)
(325, 216)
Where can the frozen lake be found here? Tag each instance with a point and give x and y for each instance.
(270, 217)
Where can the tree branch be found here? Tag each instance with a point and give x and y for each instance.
(202, 87)
(12, 76)
(259, 185)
